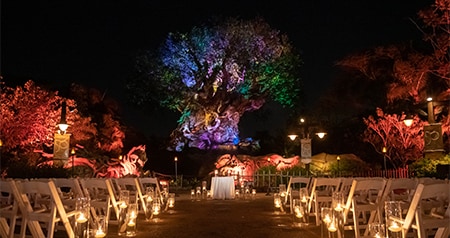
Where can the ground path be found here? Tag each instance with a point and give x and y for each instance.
(222, 218)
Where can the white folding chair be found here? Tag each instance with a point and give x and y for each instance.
(429, 211)
(39, 202)
(302, 182)
(363, 202)
(399, 189)
(321, 195)
(69, 189)
(9, 208)
(102, 197)
(146, 182)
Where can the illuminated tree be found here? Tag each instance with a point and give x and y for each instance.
(30, 114)
(403, 144)
(213, 74)
(409, 76)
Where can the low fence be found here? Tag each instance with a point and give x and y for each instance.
(271, 180)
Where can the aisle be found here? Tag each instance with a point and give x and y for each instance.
(221, 218)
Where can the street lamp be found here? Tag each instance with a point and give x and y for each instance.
(338, 158)
(433, 140)
(305, 141)
(72, 152)
(176, 173)
(384, 150)
(61, 144)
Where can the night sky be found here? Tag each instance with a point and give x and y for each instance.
(94, 43)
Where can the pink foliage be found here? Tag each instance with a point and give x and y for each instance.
(246, 165)
(130, 165)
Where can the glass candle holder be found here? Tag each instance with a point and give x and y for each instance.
(131, 220)
(377, 230)
(304, 195)
(171, 200)
(192, 194)
(326, 213)
(82, 207)
(393, 213)
(336, 225)
(124, 200)
(337, 201)
(282, 188)
(300, 215)
(100, 226)
(198, 193)
(156, 207)
(277, 200)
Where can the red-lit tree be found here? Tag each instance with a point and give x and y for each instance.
(409, 76)
(401, 142)
(30, 115)
(214, 74)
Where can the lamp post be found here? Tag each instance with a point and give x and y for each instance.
(72, 152)
(176, 173)
(61, 139)
(338, 158)
(384, 150)
(305, 141)
(433, 140)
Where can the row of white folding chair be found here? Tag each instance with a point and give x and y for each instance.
(39, 203)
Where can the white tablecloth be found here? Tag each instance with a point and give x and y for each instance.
(222, 187)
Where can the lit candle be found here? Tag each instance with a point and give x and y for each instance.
(304, 200)
(332, 227)
(277, 203)
(81, 218)
(394, 227)
(298, 213)
(156, 209)
(171, 202)
(123, 204)
(131, 223)
(327, 219)
(338, 207)
(99, 233)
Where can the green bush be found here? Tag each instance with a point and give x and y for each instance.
(426, 167)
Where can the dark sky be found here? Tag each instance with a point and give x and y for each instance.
(94, 42)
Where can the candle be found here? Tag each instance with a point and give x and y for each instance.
(394, 227)
(298, 213)
(327, 219)
(338, 207)
(171, 202)
(277, 204)
(332, 227)
(304, 200)
(123, 204)
(99, 233)
(131, 223)
(82, 218)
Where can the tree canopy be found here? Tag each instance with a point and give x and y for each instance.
(215, 73)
